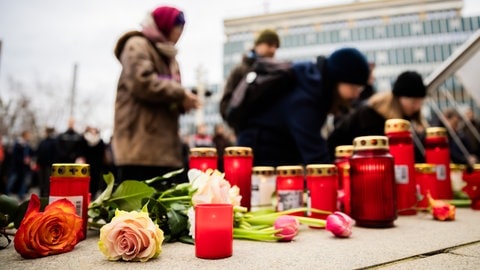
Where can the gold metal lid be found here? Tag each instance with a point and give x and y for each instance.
(238, 151)
(70, 170)
(344, 151)
(457, 167)
(436, 132)
(396, 125)
(321, 169)
(203, 152)
(425, 167)
(263, 170)
(370, 143)
(294, 170)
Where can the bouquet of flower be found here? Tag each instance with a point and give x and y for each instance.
(172, 207)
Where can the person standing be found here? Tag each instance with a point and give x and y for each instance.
(21, 166)
(69, 145)
(150, 98)
(265, 46)
(46, 156)
(287, 132)
(94, 149)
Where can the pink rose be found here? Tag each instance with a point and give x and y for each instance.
(339, 224)
(131, 236)
(288, 226)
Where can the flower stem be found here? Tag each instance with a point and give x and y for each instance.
(174, 199)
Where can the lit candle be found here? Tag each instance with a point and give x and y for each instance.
(213, 231)
(203, 158)
(238, 162)
(263, 185)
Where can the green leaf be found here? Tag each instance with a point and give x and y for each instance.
(165, 176)
(129, 194)
(8, 207)
(178, 223)
(110, 181)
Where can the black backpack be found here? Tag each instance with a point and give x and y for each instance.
(267, 81)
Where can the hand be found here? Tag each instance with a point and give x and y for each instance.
(190, 102)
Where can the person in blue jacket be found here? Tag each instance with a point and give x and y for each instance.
(288, 131)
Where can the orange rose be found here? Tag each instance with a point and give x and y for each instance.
(56, 230)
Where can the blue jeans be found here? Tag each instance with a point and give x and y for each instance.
(24, 177)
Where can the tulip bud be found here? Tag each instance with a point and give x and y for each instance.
(441, 210)
(288, 226)
(339, 224)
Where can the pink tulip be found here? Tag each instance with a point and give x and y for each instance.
(288, 226)
(339, 224)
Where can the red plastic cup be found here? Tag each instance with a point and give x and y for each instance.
(213, 231)
(72, 181)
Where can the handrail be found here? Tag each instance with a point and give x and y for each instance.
(453, 62)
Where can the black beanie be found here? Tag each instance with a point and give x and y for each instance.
(348, 65)
(268, 36)
(409, 84)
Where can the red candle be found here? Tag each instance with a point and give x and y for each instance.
(322, 187)
(425, 177)
(403, 152)
(372, 177)
(203, 158)
(437, 151)
(213, 231)
(290, 187)
(72, 181)
(237, 163)
(342, 161)
(472, 189)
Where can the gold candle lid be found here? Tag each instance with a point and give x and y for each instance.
(203, 152)
(396, 125)
(425, 167)
(238, 151)
(370, 143)
(294, 170)
(263, 170)
(476, 167)
(321, 169)
(433, 132)
(70, 170)
(344, 151)
(457, 167)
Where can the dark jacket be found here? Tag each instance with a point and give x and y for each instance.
(369, 119)
(288, 131)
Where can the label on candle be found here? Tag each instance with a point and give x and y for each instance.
(76, 200)
(441, 172)
(288, 199)
(401, 174)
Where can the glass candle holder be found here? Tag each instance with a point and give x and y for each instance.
(213, 231)
(401, 148)
(472, 189)
(203, 158)
(322, 188)
(437, 151)
(290, 188)
(342, 161)
(373, 194)
(263, 185)
(72, 181)
(425, 176)
(238, 162)
(456, 177)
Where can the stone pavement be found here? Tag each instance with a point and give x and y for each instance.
(416, 242)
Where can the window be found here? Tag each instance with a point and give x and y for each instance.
(416, 28)
(419, 55)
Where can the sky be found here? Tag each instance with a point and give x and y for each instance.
(43, 40)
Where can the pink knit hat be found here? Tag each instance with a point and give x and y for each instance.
(166, 18)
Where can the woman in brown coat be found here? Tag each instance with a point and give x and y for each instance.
(150, 98)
